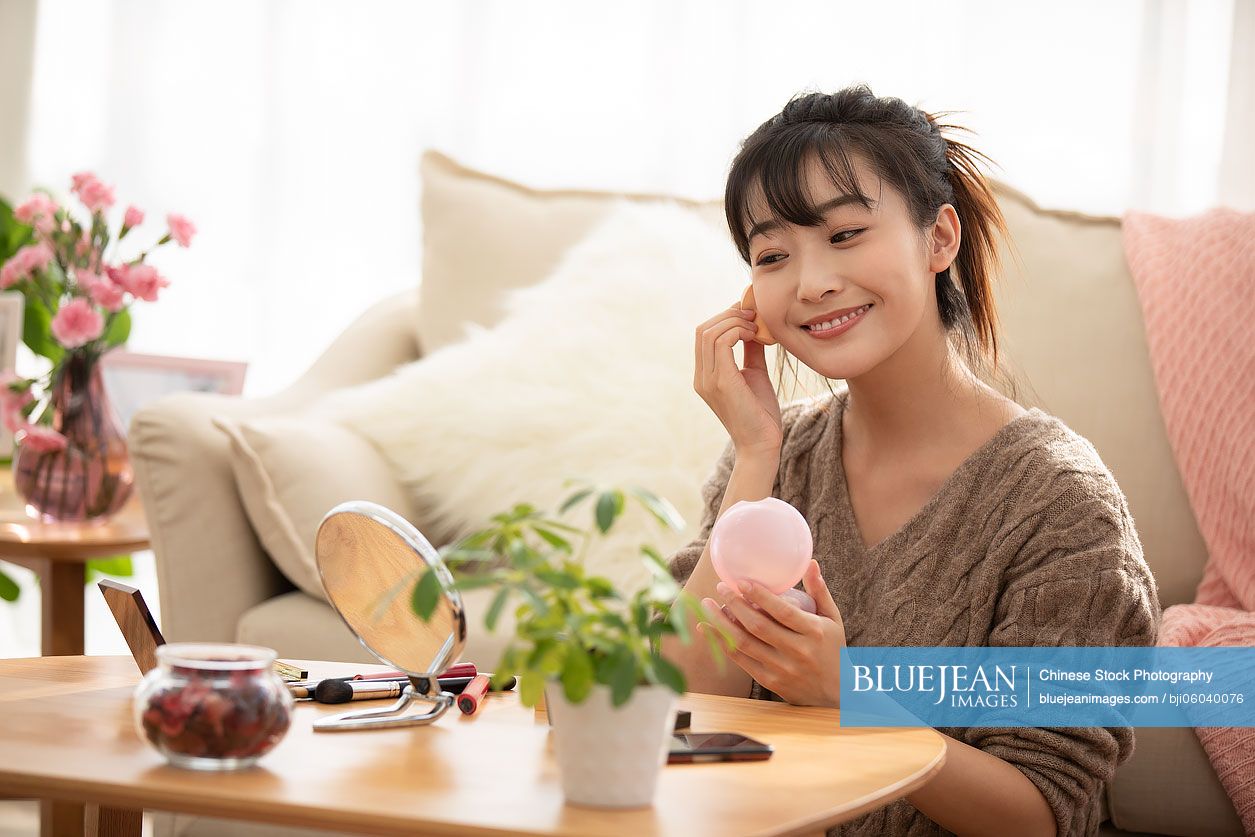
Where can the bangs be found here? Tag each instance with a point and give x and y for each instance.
(774, 173)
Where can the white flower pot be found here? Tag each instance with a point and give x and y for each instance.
(609, 757)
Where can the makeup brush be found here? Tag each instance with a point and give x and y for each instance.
(343, 691)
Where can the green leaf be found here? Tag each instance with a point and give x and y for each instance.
(37, 331)
(661, 509)
(577, 675)
(609, 506)
(118, 565)
(622, 677)
(9, 591)
(553, 539)
(680, 621)
(559, 580)
(573, 499)
(600, 587)
(474, 582)
(426, 595)
(119, 328)
(531, 685)
(669, 675)
(13, 234)
(494, 609)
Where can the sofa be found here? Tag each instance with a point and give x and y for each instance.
(1071, 334)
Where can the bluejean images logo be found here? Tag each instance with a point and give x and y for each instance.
(1070, 686)
(961, 685)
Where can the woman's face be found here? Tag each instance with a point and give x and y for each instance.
(873, 260)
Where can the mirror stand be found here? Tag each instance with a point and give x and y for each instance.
(391, 716)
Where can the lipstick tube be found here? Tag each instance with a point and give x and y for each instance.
(468, 700)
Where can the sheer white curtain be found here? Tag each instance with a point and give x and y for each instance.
(290, 131)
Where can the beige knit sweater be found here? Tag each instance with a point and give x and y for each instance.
(1029, 542)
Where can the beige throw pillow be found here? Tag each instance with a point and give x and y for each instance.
(291, 470)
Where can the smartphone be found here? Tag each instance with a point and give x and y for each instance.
(715, 746)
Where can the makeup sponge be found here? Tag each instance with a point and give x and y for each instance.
(765, 540)
(762, 335)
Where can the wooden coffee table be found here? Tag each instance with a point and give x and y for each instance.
(58, 553)
(67, 736)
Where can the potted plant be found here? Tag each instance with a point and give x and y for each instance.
(592, 650)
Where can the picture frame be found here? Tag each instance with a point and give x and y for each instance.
(133, 379)
(12, 310)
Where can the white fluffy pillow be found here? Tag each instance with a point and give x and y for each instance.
(589, 375)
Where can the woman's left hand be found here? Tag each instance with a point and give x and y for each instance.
(793, 653)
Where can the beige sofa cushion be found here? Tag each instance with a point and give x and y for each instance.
(293, 469)
(1073, 331)
(1168, 786)
(484, 235)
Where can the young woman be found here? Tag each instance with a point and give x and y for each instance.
(943, 512)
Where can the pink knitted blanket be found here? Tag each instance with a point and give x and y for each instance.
(1195, 279)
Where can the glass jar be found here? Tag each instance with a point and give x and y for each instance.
(213, 707)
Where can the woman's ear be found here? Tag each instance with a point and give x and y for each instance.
(944, 239)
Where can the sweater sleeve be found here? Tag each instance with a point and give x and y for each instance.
(1077, 578)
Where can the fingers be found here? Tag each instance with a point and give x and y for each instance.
(761, 625)
(755, 355)
(814, 583)
(746, 643)
(715, 339)
(786, 614)
(717, 342)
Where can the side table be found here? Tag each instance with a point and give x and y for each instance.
(58, 553)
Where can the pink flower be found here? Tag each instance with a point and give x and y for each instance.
(106, 294)
(141, 280)
(181, 229)
(41, 439)
(29, 259)
(94, 194)
(10, 274)
(11, 402)
(80, 246)
(39, 211)
(133, 217)
(77, 323)
(86, 279)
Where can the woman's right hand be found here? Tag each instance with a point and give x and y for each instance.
(743, 399)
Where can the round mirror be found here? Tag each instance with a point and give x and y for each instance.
(369, 559)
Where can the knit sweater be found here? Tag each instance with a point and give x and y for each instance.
(1028, 542)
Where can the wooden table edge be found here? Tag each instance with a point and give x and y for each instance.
(111, 798)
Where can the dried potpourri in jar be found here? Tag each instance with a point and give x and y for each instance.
(213, 707)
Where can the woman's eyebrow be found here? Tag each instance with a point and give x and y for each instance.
(772, 225)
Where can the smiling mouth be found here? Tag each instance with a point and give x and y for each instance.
(839, 323)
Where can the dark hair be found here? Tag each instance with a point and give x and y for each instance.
(906, 148)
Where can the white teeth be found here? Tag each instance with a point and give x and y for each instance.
(834, 323)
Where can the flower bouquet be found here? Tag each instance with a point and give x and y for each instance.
(71, 461)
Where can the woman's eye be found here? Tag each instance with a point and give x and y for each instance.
(836, 239)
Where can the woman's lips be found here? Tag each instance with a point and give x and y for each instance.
(839, 330)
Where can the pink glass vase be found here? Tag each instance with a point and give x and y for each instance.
(91, 478)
